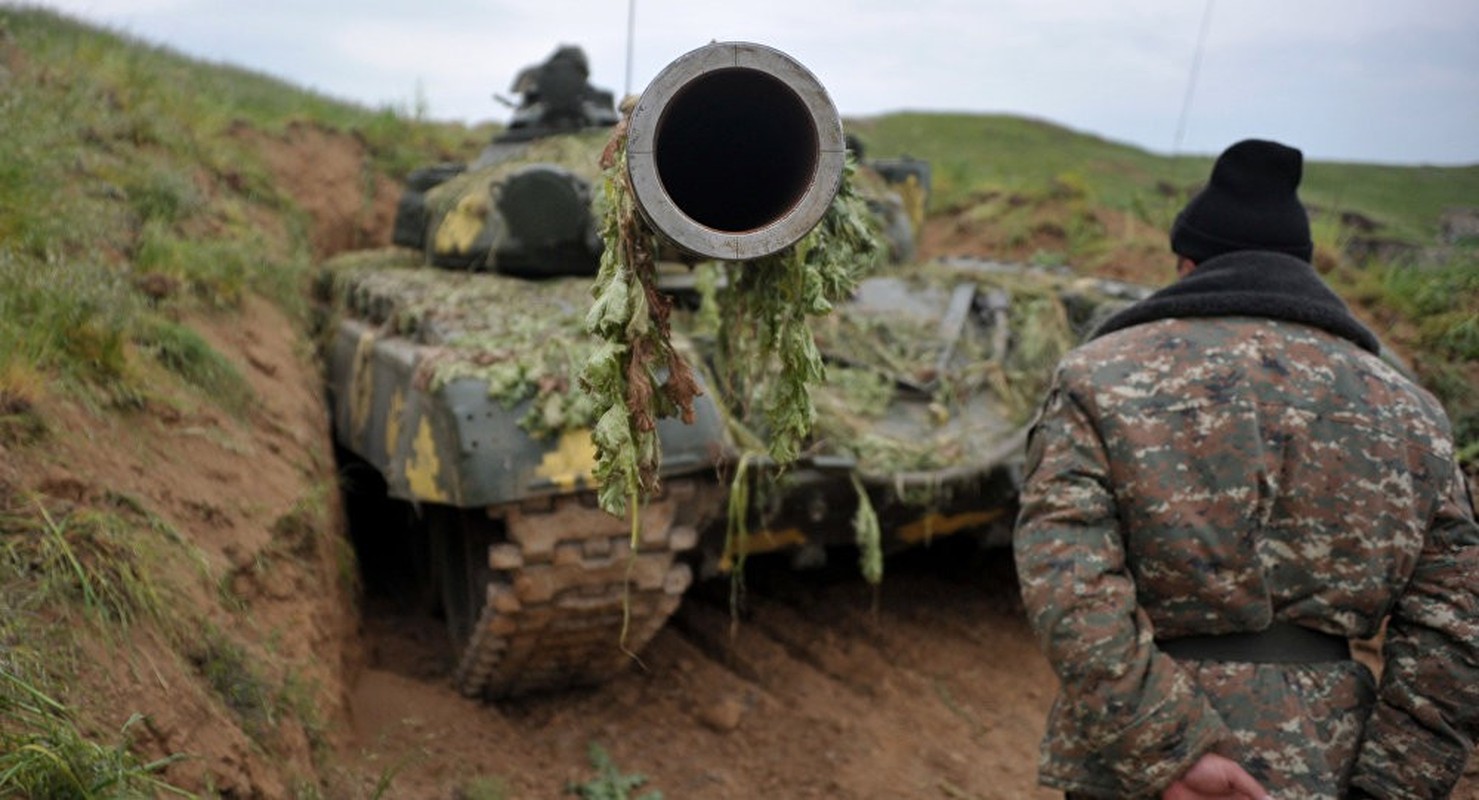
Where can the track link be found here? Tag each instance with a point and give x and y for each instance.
(563, 586)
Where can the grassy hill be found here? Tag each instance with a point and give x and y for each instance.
(146, 229)
(121, 161)
(144, 217)
(970, 154)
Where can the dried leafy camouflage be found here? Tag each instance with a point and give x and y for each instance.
(525, 338)
(1211, 476)
(981, 380)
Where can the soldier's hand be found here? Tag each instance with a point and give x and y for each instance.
(1213, 776)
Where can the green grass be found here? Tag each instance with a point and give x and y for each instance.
(73, 571)
(974, 153)
(43, 752)
(92, 559)
(123, 168)
(183, 352)
(1441, 304)
(69, 319)
(1406, 201)
(231, 672)
(157, 88)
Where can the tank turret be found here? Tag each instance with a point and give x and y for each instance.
(518, 208)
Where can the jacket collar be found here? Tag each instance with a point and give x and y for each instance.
(1250, 283)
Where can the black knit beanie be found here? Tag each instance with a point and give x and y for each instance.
(1250, 203)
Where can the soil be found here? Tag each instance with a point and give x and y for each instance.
(930, 686)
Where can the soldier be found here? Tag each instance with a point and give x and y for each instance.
(1225, 486)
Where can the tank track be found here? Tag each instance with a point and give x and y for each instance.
(563, 585)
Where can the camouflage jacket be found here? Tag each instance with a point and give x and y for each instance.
(1207, 476)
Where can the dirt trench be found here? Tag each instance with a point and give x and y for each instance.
(928, 687)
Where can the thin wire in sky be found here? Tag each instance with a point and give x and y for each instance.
(631, 30)
(1191, 81)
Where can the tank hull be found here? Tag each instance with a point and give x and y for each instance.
(456, 444)
(459, 389)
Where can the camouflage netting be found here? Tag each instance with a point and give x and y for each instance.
(906, 391)
(576, 152)
(897, 396)
(525, 338)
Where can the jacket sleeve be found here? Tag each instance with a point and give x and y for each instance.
(1122, 699)
(1427, 714)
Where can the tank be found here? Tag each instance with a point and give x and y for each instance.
(453, 361)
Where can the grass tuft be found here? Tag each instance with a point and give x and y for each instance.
(164, 195)
(22, 395)
(43, 754)
(84, 557)
(609, 783)
(484, 788)
(183, 352)
(231, 672)
(70, 318)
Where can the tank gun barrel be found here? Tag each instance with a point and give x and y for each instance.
(735, 151)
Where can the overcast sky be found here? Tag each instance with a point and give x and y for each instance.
(1348, 80)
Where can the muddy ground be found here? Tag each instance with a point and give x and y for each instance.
(929, 688)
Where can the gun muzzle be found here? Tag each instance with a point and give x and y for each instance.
(735, 151)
